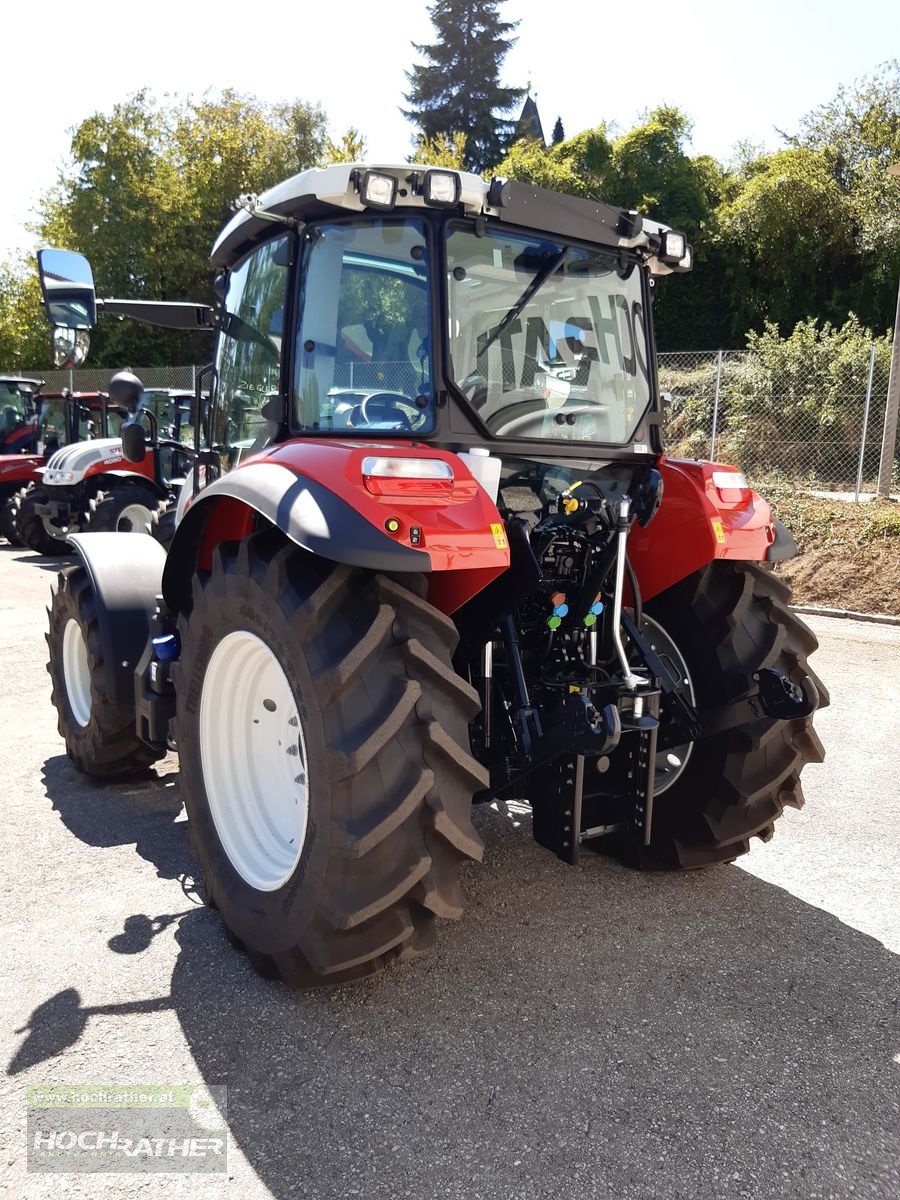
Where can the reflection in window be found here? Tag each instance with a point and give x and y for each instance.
(363, 346)
(249, 352)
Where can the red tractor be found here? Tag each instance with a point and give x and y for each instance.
(450, 564)
(18, 413)
(88, 485)
(61, 418)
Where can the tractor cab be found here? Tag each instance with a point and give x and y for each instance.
(17, 413)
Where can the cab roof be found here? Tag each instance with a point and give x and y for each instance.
(320, 193)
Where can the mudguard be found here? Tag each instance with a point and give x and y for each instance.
(699, 522)
(126, 574)
(315, 492)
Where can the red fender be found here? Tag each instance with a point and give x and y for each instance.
(697, 523)
(456, 525)
(19, 468)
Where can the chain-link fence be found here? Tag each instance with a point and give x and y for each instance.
(96, 379)
(811, 421)
(816, 423)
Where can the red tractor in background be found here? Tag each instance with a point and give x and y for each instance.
(18, 415)
(453, 565)
(60, 419)
(87, 484)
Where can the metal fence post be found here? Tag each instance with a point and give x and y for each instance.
(715, 419)
(865, 424)
(891, 410)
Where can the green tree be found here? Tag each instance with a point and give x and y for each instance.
(442, 150)
(788, 233)
(559, 134)
(351, 147)
(858, 135)
(457, 89)
(24, 333)
(149, 192)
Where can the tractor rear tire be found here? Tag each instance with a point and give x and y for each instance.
(99, 734)
(126, 508)
(8, 509)
(30, 525)
(728, 621)
(364, 760)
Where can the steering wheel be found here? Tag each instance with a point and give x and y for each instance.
(382, 406)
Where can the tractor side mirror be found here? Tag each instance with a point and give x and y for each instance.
(134, 442)
(67, 284)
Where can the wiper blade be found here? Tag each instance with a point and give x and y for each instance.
(530, 292)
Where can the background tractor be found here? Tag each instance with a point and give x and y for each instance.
(440, 558)
(88, 485)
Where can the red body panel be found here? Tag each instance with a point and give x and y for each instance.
(697, 522)
(116, 461)
(19, 468)
(454, 529)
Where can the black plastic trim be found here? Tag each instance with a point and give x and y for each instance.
(784, 545)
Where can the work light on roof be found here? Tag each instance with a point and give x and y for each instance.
(441, 189)
(673, 248)
(378, 190)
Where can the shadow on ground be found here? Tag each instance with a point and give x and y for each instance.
(583, 1032)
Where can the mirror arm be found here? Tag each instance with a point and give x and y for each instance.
(168, 314)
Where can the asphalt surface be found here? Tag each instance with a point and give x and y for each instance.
(582, 1032)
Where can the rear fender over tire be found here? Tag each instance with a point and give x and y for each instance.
(308, 514)
(125, 575)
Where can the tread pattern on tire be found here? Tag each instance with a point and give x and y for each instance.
(108, 745)
(30, 526)
(754, 770)
(401, 779)
(8, 510)
(105, 508)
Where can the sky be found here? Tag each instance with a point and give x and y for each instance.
(741, 71)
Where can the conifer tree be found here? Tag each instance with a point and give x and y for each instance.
(559, 134)
(457, 89)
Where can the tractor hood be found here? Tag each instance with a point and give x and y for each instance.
(70, 464)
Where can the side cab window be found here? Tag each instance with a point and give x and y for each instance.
(249, 351)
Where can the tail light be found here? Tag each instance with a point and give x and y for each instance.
(387, 476)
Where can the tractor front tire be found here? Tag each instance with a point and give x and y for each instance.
(126, 508)
(30, 525)
(325, 764)
(99, 734)
(8, 509)
(729, 620)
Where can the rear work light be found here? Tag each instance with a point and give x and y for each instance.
(674, 247)
(441, 189)
(378, 190)
(387, 476)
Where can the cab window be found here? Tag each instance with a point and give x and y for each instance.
(363, 356)
(248, 356)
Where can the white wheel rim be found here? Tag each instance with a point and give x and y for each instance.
(671, 762)
(134, 518)
(77, 672)
(254, 762)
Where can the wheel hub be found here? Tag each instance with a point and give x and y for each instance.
(134, 518)
(77, 672)
(254, 761)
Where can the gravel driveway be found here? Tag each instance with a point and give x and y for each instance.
(582, 1032)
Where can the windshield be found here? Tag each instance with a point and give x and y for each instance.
(546, 340)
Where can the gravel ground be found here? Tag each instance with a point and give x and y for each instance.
(582, 1032)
